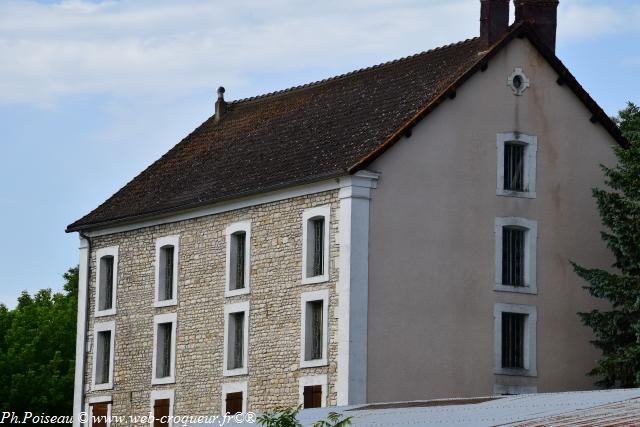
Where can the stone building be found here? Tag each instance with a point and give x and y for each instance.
(400, 232)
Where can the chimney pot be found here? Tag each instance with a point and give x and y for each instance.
(494, 21)
(543, 16)
(221, 105)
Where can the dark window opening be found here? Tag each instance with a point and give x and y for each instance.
(103, 357)
(99, 414)
(513, 247)
(166, 273)
(236, 341)
(314, 327)
(312, 396)
(237, 267)
(513, 340)
(315, 247)
(514, 167)
(106, 283)
(163, 352)
(233, 403)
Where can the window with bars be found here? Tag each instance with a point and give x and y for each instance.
(317, 267)
(513, 336)
(235, 345)
(166, 273)
(312, 396)
(103, 357)
(233, 402)
(237, 267)
(514, 157)
(163, 350)
(314, 330)
(106, 283)
(513, 256)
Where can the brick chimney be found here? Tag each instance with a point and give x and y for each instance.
(543, 15)
(494, 21)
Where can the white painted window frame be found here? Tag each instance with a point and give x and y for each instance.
(228, 310)
(160, 242)
(157, 320)
(98, 399)
(230, 230)
(109, 251)
(309, 214)
(234, 388)
(321, 295)
(530, 143)
(530, 254)
(530, 365)
(320, 380)
(159, 395)
(100, 327)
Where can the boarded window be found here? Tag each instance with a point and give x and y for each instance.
(166, 273)
(103, 357)
(99, 414)
(513, 325)
(314, 330)
(235, 345)
(237, 266)
(233, 402)
(163, 350)
(514, 166)
(161, 413)
(312, 396)
(106, 283)
(513, 247)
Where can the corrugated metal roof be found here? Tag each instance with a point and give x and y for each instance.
(589, 408)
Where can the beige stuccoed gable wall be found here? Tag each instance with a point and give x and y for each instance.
(274, 330)
(431, 273)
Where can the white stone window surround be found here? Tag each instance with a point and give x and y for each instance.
(530, 143)
(160, 243)
(100, 253)
(98, 399)
(244, 226)
(321, 295)
(234, 388)
(530, 254)
(530, 366)
(157, 320)
(320, 380)
(308, 215)
(160, 395)
(97, 328)
(239, 307)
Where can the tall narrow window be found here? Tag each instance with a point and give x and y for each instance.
(238, 236)
(104, 337)
(514, 166)
(316, 245)
(236, 338)
(513, 247)
(513, 340)
(314, 328)
(106, 280)
(164, 349)
(238, 240)
(166, 271)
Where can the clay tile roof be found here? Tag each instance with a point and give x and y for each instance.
(295, 136)
(310, 133)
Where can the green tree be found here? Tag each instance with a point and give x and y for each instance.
(37, 350)
(617, 330)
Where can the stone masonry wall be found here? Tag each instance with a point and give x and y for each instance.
(274, 329)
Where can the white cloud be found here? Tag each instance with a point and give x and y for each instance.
(138, 47)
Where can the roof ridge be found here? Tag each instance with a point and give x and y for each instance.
(348, 74)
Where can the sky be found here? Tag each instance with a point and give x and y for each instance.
(92, 92)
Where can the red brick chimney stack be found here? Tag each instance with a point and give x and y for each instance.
(543, 15)
(494, 21)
